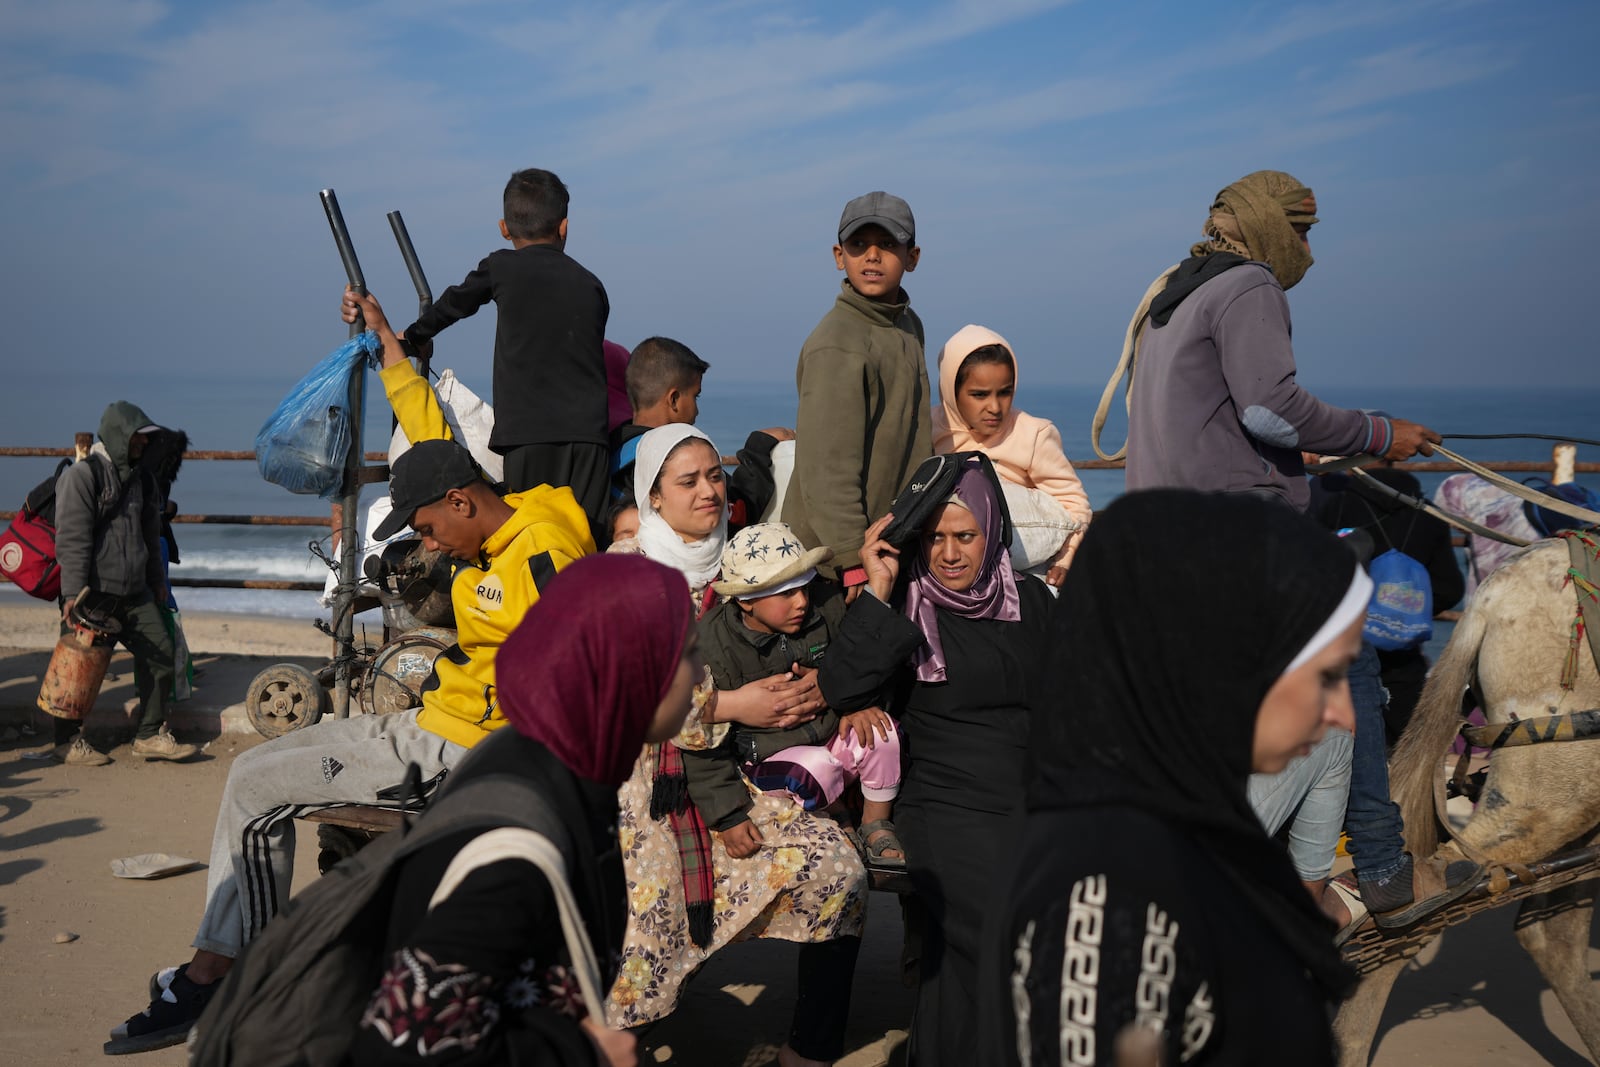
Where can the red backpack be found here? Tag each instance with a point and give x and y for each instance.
(28, 546)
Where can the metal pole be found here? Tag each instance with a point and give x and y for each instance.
(408, 252)
(349, 495)
(1563, 463)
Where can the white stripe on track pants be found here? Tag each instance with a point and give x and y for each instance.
(337, 761)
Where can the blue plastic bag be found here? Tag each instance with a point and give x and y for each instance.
(303, 445)
(1400, 614)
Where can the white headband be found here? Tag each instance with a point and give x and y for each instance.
(1351, 608)
(803, 578)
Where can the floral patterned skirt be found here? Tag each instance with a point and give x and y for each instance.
(805, 884)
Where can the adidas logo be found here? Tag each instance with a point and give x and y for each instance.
(330, 768)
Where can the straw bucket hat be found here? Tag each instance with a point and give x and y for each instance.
(764, 559)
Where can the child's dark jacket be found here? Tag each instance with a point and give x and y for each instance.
(737, 655)
(549, 366)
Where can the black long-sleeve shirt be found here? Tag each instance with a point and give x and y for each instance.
(1340, 500)
(549, 364)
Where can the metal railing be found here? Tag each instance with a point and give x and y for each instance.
(378, 471)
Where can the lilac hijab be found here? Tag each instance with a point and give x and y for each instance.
(992, 596)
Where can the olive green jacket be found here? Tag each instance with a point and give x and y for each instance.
(863, 423)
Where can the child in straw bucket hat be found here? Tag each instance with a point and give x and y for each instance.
(777, 616)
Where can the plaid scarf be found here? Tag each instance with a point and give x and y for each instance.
(669, 796)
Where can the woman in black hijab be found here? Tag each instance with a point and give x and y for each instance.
(1202, 637)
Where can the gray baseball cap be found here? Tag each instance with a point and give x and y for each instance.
(884, 209)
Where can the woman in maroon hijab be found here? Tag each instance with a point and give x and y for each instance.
(605, 662)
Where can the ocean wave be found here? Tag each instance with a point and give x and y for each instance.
(268, 563)
(278, 603)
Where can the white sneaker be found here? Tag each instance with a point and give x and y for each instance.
(162, 746)
(79, 753)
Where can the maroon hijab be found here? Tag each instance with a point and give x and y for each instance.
(585, 671)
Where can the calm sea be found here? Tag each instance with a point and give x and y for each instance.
(224, 416)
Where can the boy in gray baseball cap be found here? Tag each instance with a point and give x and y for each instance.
(865, 404)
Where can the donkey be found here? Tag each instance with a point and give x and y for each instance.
(1510, 644)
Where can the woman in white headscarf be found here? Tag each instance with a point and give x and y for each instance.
(687, 896)
(682, 492)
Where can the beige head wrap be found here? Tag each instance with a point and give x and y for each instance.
(1255, 217)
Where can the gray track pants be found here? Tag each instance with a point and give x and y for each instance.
(1312, 791)
(337, 761)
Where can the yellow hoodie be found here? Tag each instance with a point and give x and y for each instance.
(1025, 450)
(547, 532)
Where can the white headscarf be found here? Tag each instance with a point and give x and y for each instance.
(700, 561)
(1354, 605)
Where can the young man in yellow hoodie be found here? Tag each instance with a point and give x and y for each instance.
(508, 547)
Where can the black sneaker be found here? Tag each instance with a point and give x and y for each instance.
(168, 1019)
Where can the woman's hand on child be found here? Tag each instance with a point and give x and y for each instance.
(742, 840)
(880, 559)
(778, 702)
(864, 724)
(615, 1048)
(1055, 576)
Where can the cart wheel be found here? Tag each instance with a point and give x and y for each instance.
(394, 682)
(284, 697)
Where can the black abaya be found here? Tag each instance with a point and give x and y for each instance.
(965, 769)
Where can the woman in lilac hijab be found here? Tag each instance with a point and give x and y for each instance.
(945, 638)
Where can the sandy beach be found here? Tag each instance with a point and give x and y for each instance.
(1473, 998)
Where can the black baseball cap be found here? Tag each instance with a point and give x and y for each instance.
(422, 475)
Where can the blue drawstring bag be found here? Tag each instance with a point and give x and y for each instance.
(1400, 614)
(303, 445)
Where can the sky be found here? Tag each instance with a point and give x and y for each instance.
(162, 161)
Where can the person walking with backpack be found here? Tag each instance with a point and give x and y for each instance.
(108, 530)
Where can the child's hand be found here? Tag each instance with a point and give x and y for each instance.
(742, 840)
(1055, 576)
(864, 723)
(880, 559)
(418, 349)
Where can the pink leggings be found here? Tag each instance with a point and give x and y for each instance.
(816, 775)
